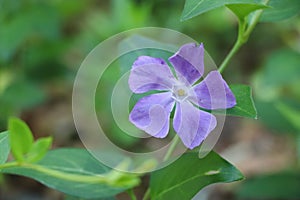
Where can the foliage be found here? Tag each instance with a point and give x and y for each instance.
(43, 43)
(275, 11)
(61, 169)
(241, 8)
(194, 174)
(245, 105)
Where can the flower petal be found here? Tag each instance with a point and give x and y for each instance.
(152, 114)
(146, 60)
(150, 73)
(189, 62)
(213, 93)
(192, 124)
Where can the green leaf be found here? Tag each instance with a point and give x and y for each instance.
(276, 186)
(20, 137)
(186, 176)
(4, 147)
(74, 172)
(243, 10)
(245, 106)
(39, 149)
(193, 8)
(280, 10)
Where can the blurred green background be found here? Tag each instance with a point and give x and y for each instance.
(42, 44)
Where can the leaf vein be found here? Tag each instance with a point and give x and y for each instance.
(192, 10)
(181, 183)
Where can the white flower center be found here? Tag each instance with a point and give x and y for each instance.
(180, 92)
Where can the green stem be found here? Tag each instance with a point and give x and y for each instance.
(8, 165)
(172, 147)
(131, 194)
(57, 174)
(237, 45)
(67, 176)
(254, 21)
(147, 194)
(243, 35)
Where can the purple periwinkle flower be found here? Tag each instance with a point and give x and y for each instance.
(152, 113)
